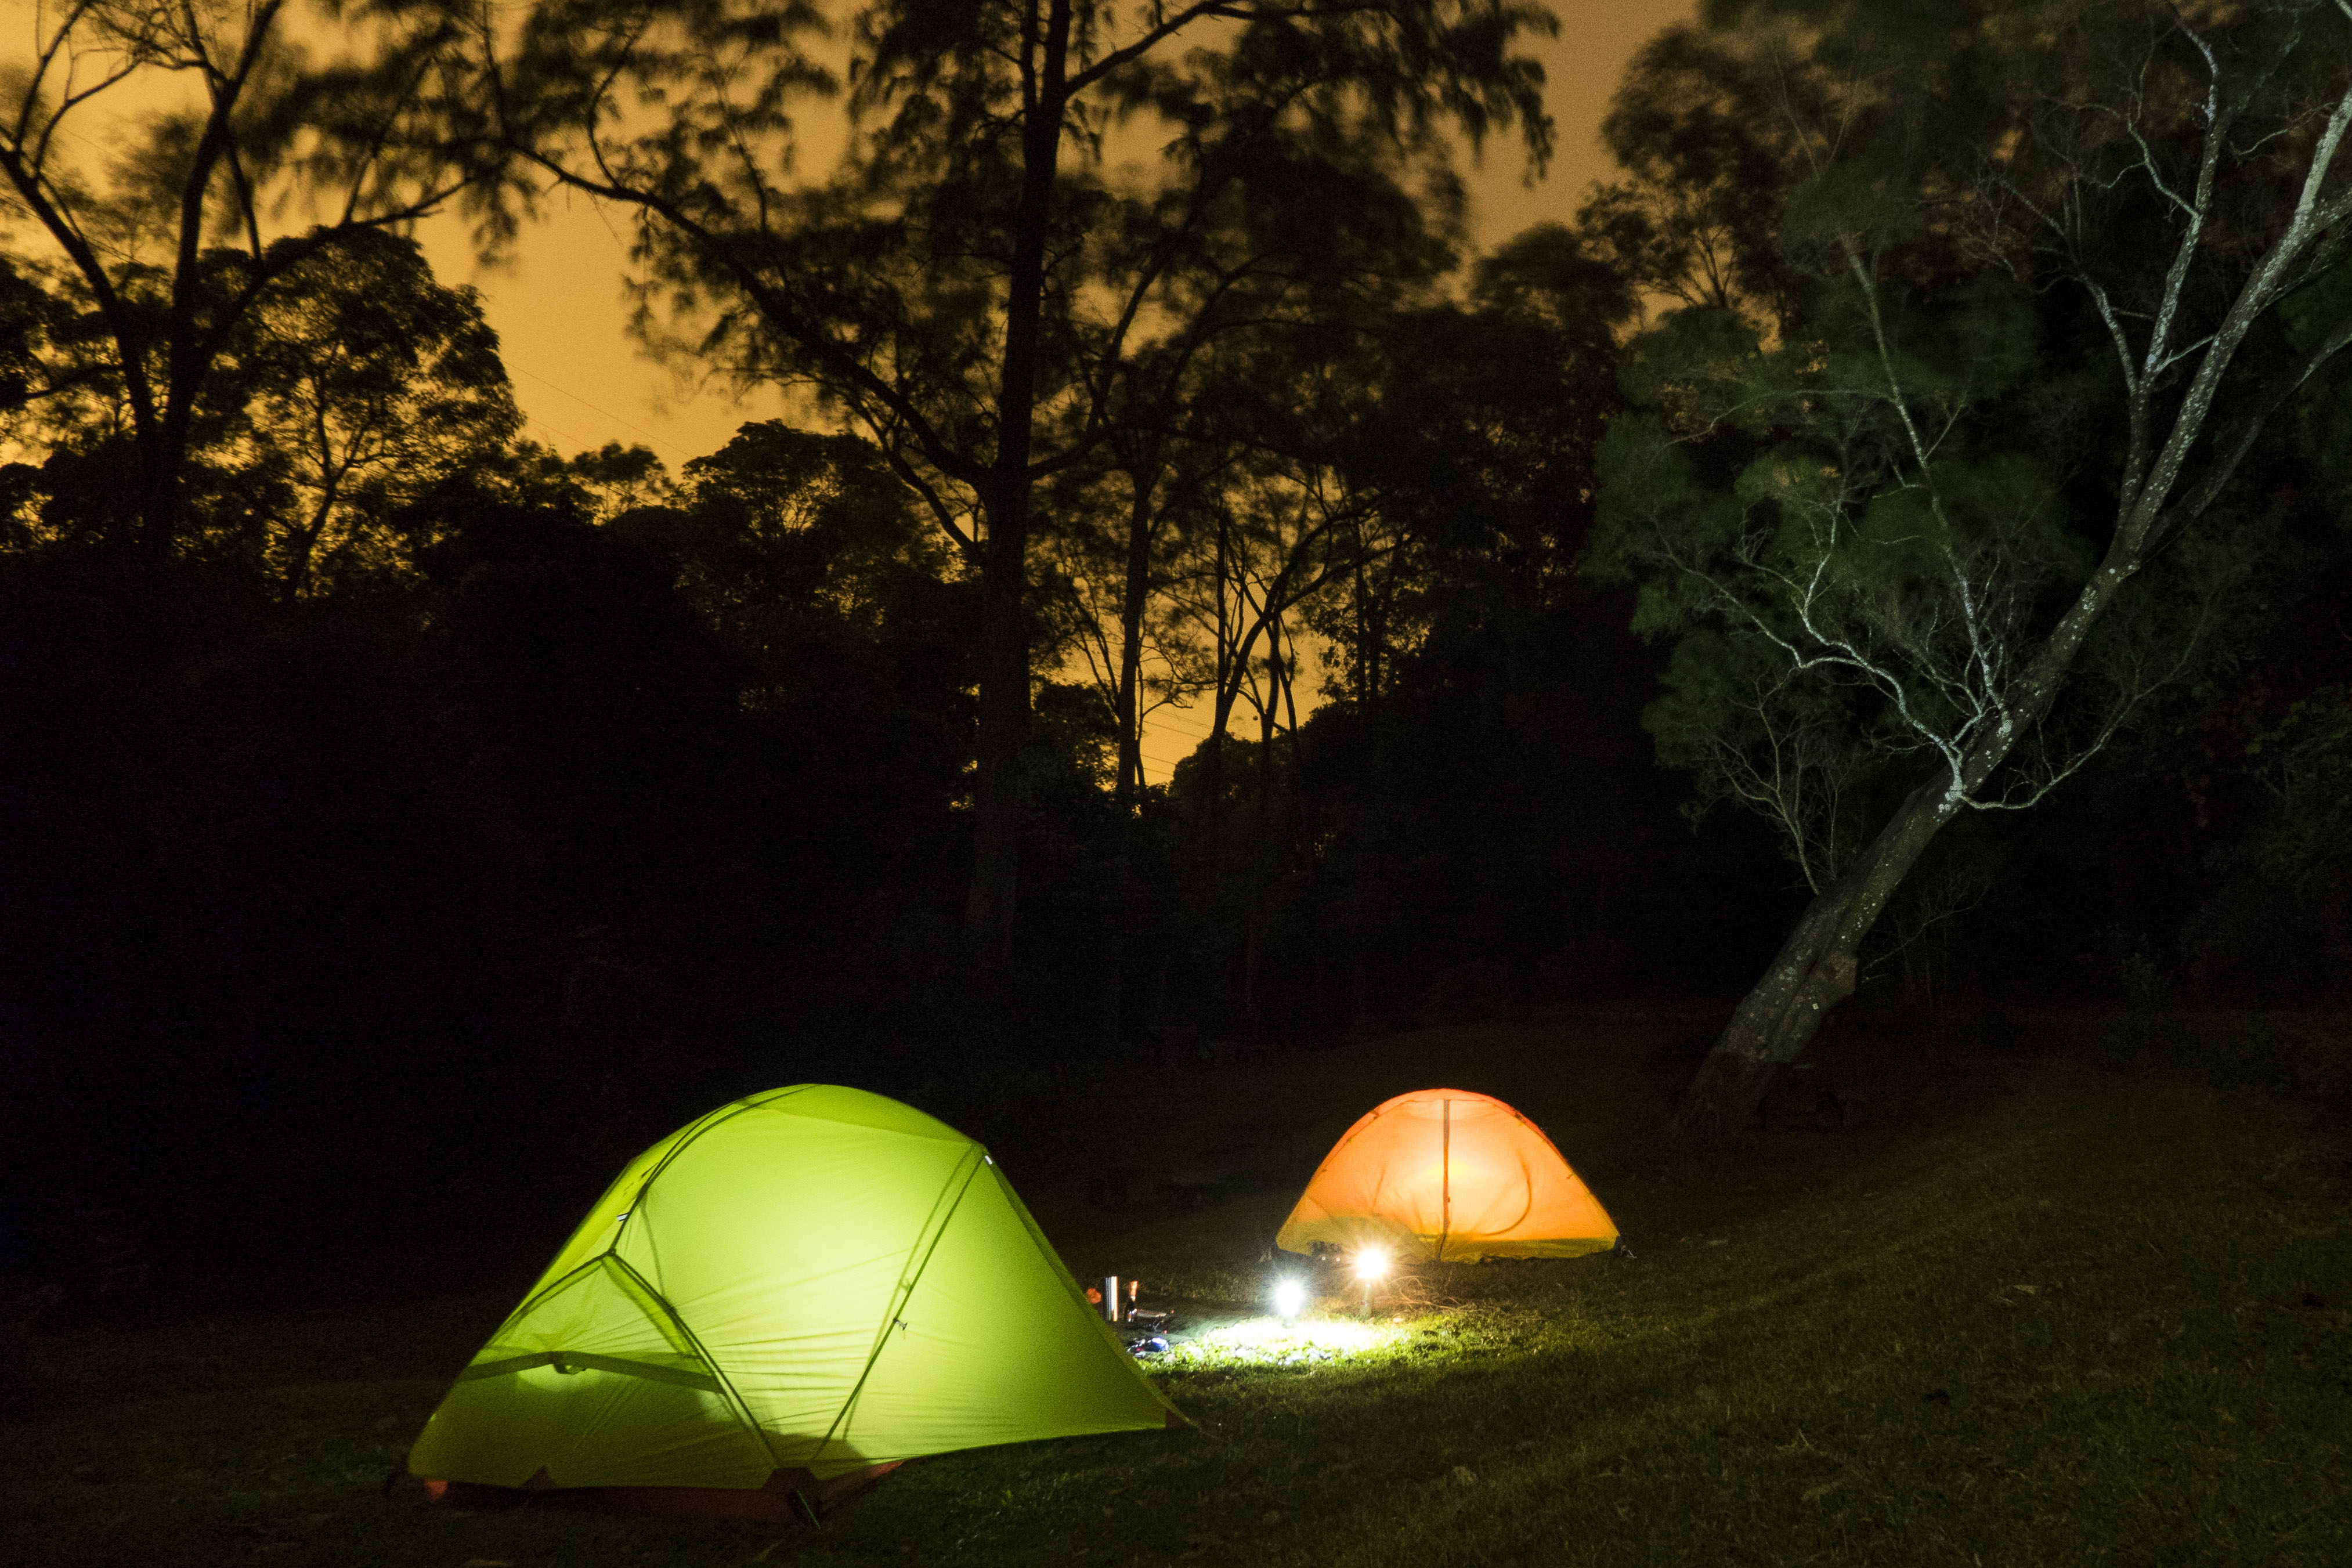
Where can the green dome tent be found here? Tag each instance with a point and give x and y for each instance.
(791, 1293)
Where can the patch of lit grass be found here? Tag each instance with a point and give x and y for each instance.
(1276, 1341)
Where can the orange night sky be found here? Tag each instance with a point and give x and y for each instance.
(560, 316)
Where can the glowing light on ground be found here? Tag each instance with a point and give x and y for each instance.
(1272, 1342)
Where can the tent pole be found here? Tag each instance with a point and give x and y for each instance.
(1444, 1174)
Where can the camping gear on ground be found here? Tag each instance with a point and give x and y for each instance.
(1447, 1175)
(1108, 1299)
(776, 1302)
(1145, 1330)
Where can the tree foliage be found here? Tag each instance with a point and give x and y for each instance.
(363, 382)
(1950, 517)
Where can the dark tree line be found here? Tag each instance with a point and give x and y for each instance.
(388, 794)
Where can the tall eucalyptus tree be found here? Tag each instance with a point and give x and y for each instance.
(2056, 266)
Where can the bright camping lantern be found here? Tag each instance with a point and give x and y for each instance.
(1447, 1175)
(795, 1290)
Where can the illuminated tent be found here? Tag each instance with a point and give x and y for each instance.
(770, 1306)
(1446, 1174)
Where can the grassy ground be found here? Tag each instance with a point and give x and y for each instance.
(2014, 1312)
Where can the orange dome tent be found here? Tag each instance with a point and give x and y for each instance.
(1446, 1174)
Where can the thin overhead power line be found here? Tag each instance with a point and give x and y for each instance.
(606, 412)
(565, 437)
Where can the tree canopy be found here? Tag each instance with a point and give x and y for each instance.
(1944, 524)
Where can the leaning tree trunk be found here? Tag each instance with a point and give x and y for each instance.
(1815, 968)
(1819, 963)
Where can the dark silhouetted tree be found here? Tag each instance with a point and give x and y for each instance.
(964, 286)
(364, 383)
(168, 252)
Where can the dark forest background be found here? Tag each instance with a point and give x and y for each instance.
(446, 814)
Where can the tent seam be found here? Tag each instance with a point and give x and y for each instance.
(622, 1365)
(1361, 1124)
(741, 1406)
(686, 1138)
(974, 1158)
(536, 1297)
(693, 1134)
